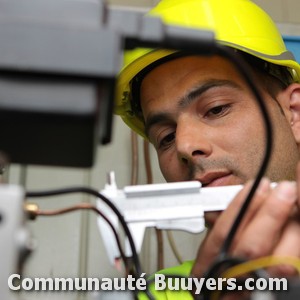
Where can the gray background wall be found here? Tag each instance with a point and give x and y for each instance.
(70, 245)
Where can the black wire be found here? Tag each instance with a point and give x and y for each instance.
(223, 260)
(219, 266)
(135, 257)
(75, 208)
(245, 71)
(106, 201)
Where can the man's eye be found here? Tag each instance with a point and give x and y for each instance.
(217, 111)
(167, 140)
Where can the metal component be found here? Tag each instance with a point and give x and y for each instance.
(176, 206)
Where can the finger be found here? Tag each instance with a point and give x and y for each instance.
(211, 246)
(289, 245)
(226, 219)
(260, 195)
(263, 232)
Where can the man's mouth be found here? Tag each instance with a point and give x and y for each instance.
(218, 178)
(213, 179)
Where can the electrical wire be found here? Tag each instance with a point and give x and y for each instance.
(174, 247)
(244, 71)
(86, 190)
(134, 158)
(160, 248)
(4, 168)
(158, 232)
(83, 206)
(260, 263)
(147, 160)
(133, 180)
(257, 266)
(223, 260)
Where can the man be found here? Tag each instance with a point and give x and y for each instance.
(205, 125)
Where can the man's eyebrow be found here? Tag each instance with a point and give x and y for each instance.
(189, 97)
(155, 119)
(198, 90)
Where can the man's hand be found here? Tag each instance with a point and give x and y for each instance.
(271, 226)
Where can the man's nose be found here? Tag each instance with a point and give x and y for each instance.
(192, 140)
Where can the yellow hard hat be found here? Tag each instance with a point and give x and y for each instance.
(240, 24)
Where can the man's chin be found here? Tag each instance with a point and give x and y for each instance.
(211, 217)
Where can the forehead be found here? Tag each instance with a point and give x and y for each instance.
(174, 78)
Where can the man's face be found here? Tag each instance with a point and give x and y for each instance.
(205, 124)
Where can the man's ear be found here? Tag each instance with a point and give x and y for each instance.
(293, 92)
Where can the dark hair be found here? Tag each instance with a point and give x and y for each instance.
(274, 77)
